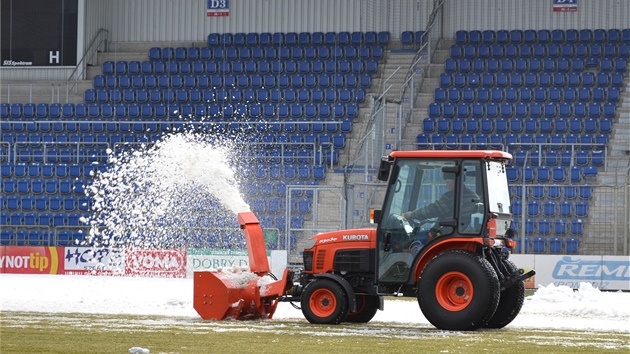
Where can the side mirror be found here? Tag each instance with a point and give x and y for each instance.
(451, 169)
(383, 169)
(375, 216)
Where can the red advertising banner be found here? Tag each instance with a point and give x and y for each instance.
(156, 263)
(169, 263)
(31, 260)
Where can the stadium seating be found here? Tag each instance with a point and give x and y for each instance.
(305, 89)
(549, 97)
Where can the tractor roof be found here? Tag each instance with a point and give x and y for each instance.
(453, 154)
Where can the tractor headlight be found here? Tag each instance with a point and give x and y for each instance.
(308, 261)
(310, 243)
(499, 243)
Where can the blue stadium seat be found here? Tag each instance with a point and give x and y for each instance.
(452, 141)
(549, 208)
(437, 140)
(423, 141)
(515, 125)
(590, 172)
(520, 156)
(513, 174)
(407, 38)
(614, 35)
(565, 208)
(573, 243)
(461, 37)
(533, 208)
(543, 173)
(581, 208)
(560, 227)
(576, 230)
(598, 157)
(486, 125)
(356, 38)
(556, 245)
(539, 244)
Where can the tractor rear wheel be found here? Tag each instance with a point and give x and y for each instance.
(458, 290)
(510, 303)
(367, 305)
(324, 302)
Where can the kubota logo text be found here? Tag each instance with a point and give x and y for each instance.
(356, 238)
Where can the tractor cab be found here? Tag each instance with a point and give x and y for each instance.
(433, 195)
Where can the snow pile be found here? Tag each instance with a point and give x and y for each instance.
(585, 302)
(236, 277)
(158, 195)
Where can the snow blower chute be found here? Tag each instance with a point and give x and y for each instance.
(241, 295)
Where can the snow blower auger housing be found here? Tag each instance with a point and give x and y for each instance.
(237, 294)
(443, 236)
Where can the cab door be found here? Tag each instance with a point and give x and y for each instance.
(414, 183)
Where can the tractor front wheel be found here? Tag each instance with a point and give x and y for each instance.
(458, 290)
(324, 302)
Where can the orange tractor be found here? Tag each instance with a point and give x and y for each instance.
(443, 236)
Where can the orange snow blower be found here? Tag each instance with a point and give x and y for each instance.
(241, 294)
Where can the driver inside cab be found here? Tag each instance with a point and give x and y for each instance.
(443, 209)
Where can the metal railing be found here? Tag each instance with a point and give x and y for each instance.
(371, 145)
(54, 88)
(98, 43)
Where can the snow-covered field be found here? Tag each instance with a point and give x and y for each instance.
(550, 307)
(157, 173)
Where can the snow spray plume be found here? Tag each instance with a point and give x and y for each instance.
(178, 192)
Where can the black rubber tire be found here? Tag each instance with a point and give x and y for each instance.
(367, 305)
(324, 302)
(510, 303)
(458, 290)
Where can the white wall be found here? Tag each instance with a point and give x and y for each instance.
(186, 20)
(533, 14)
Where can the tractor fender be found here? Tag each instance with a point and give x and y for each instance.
(352, 302)
(442, 245)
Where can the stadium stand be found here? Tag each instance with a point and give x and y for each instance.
(302, 91)
(546, 97)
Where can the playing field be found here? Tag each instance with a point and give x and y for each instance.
(78, 333)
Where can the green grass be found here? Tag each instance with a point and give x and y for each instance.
(77, 333)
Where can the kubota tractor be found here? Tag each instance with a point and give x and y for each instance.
(443, 236)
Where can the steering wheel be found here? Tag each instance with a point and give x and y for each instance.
(400, 221)
(426, 224)
(418, 223)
